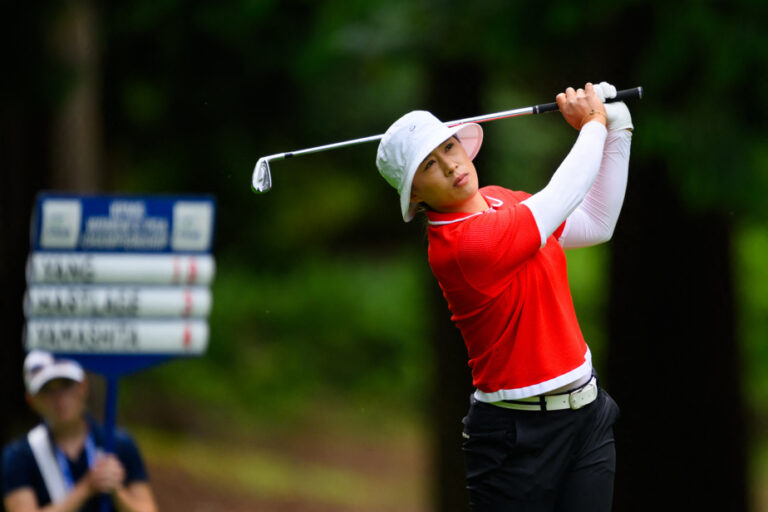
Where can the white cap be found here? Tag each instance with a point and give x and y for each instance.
(40, 368)
(409, 141)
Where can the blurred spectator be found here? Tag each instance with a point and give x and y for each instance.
(60, 465)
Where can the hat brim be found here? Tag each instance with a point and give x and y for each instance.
(471, 137)
(59, 370)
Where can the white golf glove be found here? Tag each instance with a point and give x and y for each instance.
(616, 113)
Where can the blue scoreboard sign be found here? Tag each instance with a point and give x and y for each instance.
(123, 223)
(120, 282)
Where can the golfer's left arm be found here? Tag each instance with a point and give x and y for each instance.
(594, 220)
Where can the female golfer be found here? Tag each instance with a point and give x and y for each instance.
(539, 432)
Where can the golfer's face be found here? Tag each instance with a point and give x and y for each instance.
(446, 179)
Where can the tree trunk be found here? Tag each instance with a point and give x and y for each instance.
(46, 144)
(24, 159)
(450, 99)
(76, 135)
(24, 121)
(673, 355)
(449, 403)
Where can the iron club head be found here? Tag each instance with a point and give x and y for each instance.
(262, 178)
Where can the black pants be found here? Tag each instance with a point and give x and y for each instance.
(553, 461)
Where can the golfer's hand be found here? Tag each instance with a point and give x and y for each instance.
(581, 106)
(616, 112)
(107, 474)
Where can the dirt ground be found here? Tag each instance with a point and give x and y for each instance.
(177, 490)
(317, 470)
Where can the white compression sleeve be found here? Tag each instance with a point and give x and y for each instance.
(594, 220)
(570, 183)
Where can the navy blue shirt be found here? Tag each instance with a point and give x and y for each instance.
(20, 469)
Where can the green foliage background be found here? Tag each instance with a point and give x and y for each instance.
(321, 291)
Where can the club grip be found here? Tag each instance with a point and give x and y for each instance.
(624, 94)
(627, 94)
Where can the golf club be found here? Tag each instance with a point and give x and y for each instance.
(262, 177)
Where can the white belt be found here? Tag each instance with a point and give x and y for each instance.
(575, 399)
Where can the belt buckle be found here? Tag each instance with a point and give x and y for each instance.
(575, 399)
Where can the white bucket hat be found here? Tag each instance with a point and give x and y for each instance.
(40, 367)
(408, 142)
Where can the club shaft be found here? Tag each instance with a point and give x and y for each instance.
(625, 94)
(317, 149)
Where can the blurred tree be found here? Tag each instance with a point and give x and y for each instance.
(672, 312)
(77, 134)
(24, 124)
(50, 125)
(673, 361)
(450, 98)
